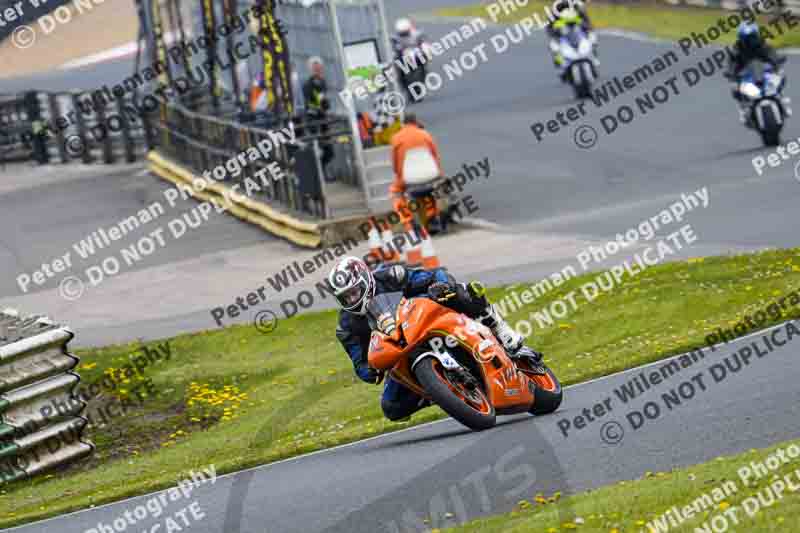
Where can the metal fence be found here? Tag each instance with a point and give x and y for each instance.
(190, 126)
(40, 422)
(200, 143)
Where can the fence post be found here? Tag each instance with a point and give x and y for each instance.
(148, 132)
(387, 43)
(87, 155)
(108, 155)
(127, 140)
(39, 140)
(358, 148)
(55, 114)
(326, 214)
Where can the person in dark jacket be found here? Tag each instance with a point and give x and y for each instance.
(749, 47)
(354, 286)
(315, 95)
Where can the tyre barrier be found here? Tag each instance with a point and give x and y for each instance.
(36, 373)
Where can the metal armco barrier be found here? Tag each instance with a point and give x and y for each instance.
(72, 126)
(17, 114)
(40, 422)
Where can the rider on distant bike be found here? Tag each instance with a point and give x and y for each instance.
(568, 12)
(406, 35)
(354, 286)
(749, 47)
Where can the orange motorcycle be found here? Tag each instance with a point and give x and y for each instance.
(456, 362)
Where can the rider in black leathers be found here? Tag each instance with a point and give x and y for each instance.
(749, 46)
(354, 330)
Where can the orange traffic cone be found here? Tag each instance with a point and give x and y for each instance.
(429, 258)
(389, 253)
(375, 244)
(414, 252)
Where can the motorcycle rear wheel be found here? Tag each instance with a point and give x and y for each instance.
(471, 408)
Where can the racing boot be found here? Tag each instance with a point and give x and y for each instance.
(508, 336)
(534, 358)
(512, 341)
(595, 57)
(555, 51)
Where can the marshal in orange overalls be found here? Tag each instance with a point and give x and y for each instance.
(410, 136)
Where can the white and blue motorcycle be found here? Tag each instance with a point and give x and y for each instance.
(579, 67)
(764, 108)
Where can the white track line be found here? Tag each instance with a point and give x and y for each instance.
(124, 50)
(118, 52)
(398, 432)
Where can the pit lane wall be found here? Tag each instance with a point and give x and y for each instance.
(40, 422)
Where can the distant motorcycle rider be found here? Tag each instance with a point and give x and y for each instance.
(749, 46)
(354, 286)
(568, 12)
(406, 36)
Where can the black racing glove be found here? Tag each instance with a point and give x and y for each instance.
(442, 292)
(370, 375)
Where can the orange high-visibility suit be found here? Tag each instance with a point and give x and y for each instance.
(410, 136)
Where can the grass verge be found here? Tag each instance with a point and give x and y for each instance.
(652, 18)
(634, 505)
(237, 398)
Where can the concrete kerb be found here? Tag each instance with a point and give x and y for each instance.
(305, 234)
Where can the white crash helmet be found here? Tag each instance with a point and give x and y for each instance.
(403, 27)
(353, 284)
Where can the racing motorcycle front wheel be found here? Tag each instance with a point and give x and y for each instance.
(462, 399)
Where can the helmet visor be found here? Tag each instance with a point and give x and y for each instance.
(353, 296)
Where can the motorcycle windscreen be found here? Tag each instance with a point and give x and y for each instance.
(382, 317)
(382, 312)
(754, 72)
(574, 38)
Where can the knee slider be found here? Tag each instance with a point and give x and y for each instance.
(393, 410)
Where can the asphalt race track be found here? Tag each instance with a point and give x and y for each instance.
(383, 484)
(693, 140)
(551, 187)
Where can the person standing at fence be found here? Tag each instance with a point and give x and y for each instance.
(315, 96)
(263, 116)
(417, 164)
